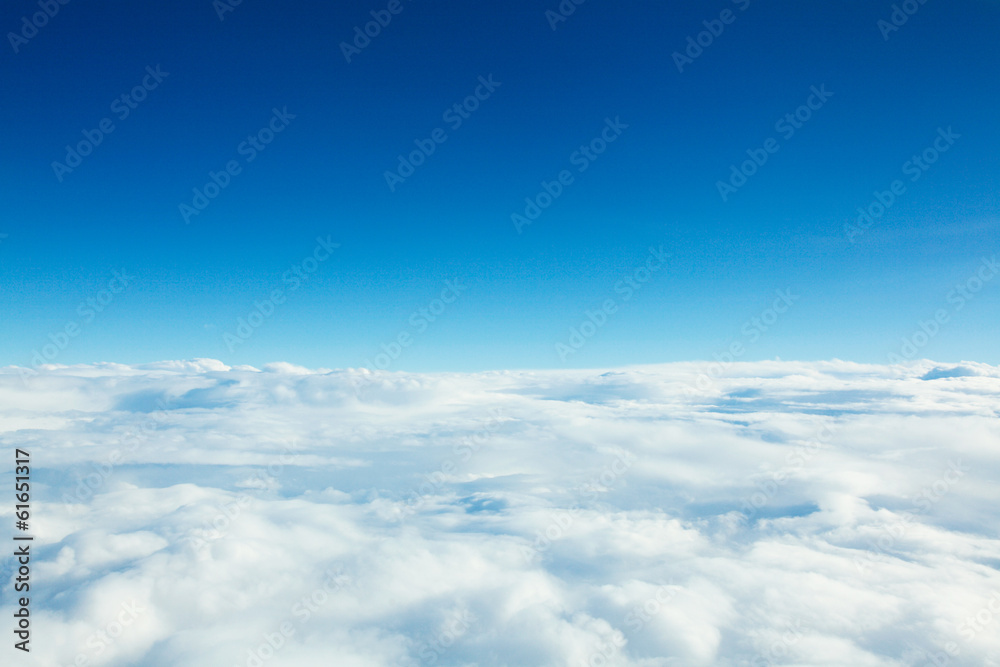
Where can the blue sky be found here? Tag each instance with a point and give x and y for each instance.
(343, 124)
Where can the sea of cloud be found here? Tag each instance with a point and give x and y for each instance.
(769, 513)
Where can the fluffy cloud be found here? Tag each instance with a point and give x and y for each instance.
(188, 513)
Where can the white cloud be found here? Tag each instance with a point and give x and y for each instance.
(781, 513)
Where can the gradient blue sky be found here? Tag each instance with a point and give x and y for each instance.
(655, 185)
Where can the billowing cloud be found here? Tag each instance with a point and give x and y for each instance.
(829, 513)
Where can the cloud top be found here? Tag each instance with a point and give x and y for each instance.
(763, 513)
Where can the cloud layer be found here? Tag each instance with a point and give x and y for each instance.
(830, 513)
